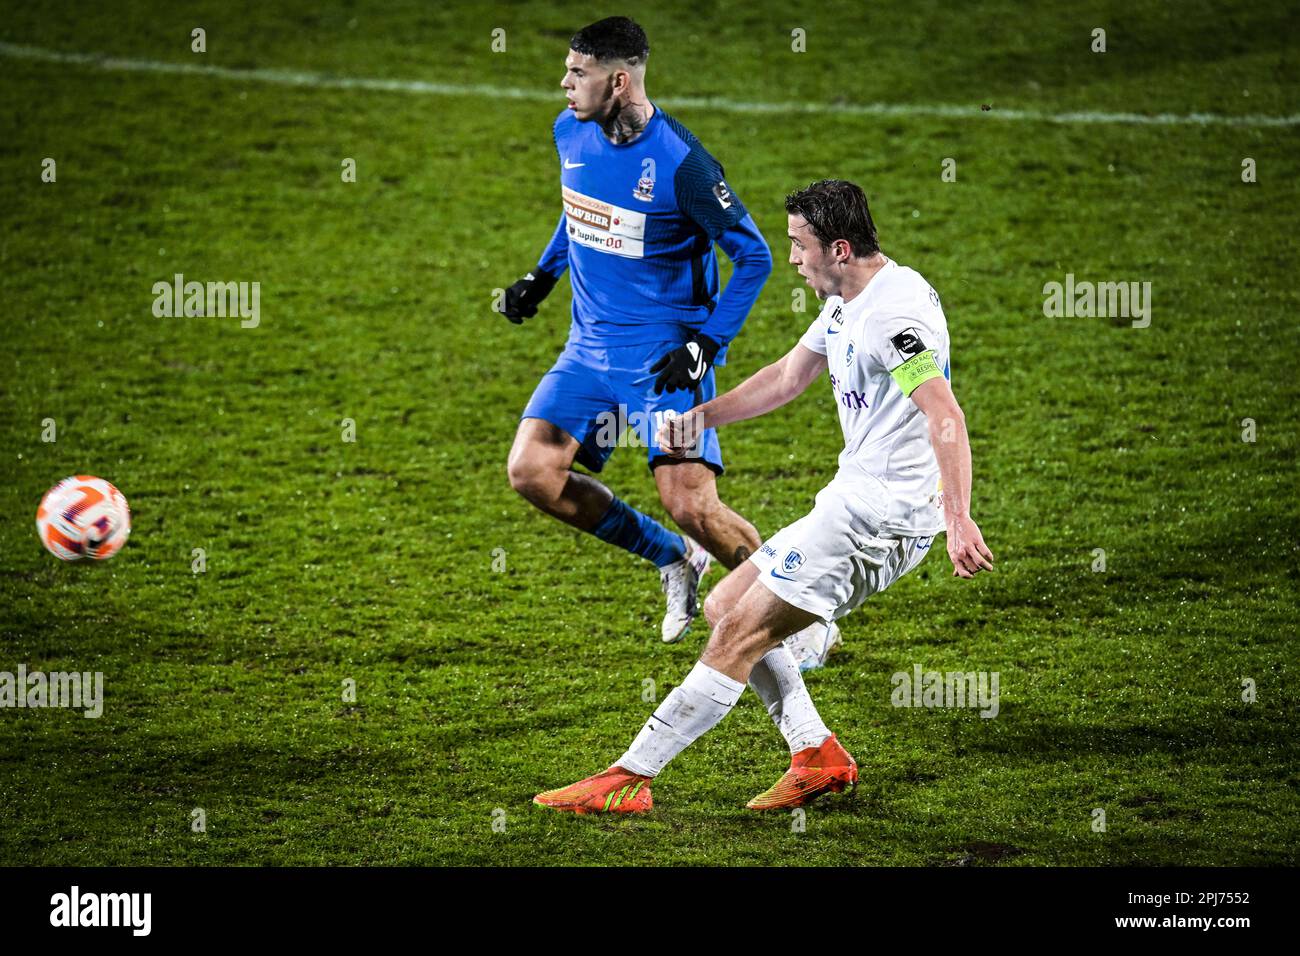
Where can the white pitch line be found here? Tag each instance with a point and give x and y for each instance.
(721, 104)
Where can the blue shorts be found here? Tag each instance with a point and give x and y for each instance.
(597, 395)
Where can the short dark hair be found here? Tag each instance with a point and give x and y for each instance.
(836, 209)
(614, 38)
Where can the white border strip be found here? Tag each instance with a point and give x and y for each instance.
(721, 104)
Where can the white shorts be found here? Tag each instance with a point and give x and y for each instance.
(834, 558)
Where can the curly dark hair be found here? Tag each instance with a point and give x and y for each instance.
(836, 209)
(614, 38)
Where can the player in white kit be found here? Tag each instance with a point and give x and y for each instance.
(904, 476)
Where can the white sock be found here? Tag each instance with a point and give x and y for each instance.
(779, 685)
(691, 710)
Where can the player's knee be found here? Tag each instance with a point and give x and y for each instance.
(732, 637)
(690, 510)
(713, 609)
(529, 480)
(717, 604)
(723, 639)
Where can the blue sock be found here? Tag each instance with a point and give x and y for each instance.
(640, 534)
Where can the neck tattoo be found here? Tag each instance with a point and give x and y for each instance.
(626, 123)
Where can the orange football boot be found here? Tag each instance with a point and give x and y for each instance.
(614, 791)
(813, 771)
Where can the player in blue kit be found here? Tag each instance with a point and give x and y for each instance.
(644, 204)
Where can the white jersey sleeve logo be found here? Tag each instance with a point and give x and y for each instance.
(830, 317)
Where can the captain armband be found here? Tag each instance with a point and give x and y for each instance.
(917, 369)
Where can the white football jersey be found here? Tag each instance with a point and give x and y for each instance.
(879, 347)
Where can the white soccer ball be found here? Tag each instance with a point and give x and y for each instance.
(83, 517)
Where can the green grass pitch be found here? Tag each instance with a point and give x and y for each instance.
(372, 561)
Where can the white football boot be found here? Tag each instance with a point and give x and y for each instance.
(680, 582)
(814, 644)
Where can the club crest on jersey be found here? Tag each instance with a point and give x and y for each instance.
(793, 561)
(908, 343)
(645, 189)
(848, 356)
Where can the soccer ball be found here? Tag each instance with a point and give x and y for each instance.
(83, 517)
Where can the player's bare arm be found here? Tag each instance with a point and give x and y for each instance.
(951, 444)
(767, 389)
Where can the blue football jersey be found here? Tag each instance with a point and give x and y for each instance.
(637, 232)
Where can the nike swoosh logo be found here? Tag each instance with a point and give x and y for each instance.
(781, 576)
(832, 331)
(697, 372)
(569, 165)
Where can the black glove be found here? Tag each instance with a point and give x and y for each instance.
(523, 298)
(684, 367)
